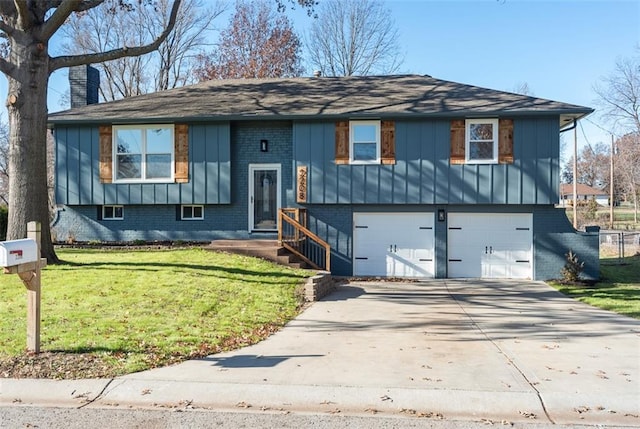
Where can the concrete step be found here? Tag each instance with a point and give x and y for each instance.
(265, 249)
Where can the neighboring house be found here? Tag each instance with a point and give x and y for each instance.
(406, 176)
(584, 195)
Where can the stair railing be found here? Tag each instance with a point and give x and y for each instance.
(294, 236)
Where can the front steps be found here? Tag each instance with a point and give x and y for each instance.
(265, 249)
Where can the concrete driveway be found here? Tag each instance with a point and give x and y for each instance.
(470, 350)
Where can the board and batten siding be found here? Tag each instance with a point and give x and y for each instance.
(78, 178)
(423, 174)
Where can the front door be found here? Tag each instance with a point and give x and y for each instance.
(264, 196)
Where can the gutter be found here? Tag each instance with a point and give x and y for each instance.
(53, 121)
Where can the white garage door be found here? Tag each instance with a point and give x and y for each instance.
(393, 244)
(490, 245)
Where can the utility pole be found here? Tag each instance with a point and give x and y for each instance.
(611, 185)
(575, 174)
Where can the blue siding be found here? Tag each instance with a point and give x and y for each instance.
(422, 173)
(150, 210)
(77, 171)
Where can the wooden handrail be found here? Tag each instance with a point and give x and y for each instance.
(294, 218)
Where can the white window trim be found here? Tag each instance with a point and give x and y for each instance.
(351, 142)
(250, 206)
(114, 206)
(114, 148)
(467, 140)
(192, 206)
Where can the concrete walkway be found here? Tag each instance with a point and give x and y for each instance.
(468, 350)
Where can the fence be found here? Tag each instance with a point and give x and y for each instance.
(619, 243)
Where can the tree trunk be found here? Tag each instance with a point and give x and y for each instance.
(27, 107)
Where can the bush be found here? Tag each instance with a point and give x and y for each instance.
(572, 268)
(592, 209)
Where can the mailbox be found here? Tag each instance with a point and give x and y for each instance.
(15, 252)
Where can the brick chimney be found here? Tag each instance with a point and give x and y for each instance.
(84, 82)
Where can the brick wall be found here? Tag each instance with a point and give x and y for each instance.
(318, 286)
(554, 236)
(245, 150)
(333, 223)
(149, 223)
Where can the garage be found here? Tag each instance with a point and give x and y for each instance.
(393, 244)
(490, 245)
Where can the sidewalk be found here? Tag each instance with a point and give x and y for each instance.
(460, 350)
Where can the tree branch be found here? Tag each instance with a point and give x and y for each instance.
(88, 4)
(58, 18)
(23, 12)
(6, 67)
(6, 28)
(7, 8)
(76, 60)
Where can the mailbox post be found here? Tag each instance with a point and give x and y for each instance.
(22, 257)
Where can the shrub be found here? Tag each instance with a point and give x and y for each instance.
(592, 209)
(572, 268)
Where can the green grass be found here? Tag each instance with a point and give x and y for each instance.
(141, 309)
(618, 290)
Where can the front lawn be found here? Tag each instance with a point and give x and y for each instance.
(618, 291)
(107, 312)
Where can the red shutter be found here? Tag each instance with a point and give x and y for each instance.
(388, 142)
(505, 141)
(181, 153)
(342, 142)
(457, 141)
(106, 154)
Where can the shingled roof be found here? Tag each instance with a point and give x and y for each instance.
(331, 97)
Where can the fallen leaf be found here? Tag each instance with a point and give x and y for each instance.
(528, 414)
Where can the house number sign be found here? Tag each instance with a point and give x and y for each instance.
(302, 184)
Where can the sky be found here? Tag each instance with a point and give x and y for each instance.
(560, 48)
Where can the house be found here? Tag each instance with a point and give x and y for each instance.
(585, 193)
(400, 176)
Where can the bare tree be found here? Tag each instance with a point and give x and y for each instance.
(627, 173)
(107, 26)
(619, 94)
(619, 99)
(258, 43)
(523, 88)
(27, 27)
(593, 166)
(566, 175)
(357, 37)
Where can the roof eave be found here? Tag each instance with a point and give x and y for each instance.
(566, 117)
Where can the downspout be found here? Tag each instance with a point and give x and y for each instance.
(575, 170)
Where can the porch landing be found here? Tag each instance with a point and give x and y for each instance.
(259, 248)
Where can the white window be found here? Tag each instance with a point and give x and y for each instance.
(481, 141)
(112, 212)
(143, 153)
(192, 212)
(364, 141)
